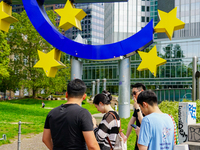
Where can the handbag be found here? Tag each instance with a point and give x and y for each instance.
(119, 143)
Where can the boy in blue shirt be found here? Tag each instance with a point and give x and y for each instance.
(157, 129)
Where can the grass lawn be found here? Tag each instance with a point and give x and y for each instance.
(132, 136)
(30, 113)
(32, 116)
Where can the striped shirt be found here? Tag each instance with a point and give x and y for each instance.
(107, 127)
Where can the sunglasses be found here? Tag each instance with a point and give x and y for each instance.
(134, 93)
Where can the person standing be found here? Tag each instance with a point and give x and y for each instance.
(137, 115)
(157, 129)
(116, 107)
(43, 104)
(110, 124)
(70, 126)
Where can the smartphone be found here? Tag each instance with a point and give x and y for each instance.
(134, 126)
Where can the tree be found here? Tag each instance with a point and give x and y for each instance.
(10, 82)
(59, 83)
(4, 61)
(24, 42)
(4, 56)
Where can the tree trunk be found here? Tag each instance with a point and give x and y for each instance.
(10, 95)
(34, 93)
(4, 97)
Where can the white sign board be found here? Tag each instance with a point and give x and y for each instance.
(186, 116)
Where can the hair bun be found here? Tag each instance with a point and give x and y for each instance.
(107, 94)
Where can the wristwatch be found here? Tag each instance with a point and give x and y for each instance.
(137, 110)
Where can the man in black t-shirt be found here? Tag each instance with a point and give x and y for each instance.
(69, 126)
(137, 115)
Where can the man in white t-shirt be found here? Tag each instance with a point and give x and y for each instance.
(157, 129)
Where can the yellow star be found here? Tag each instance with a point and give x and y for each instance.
(169, 23)
(150, 61)
(50, 62)
(70, 16)
(6, 16)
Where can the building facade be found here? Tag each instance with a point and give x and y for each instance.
(112, 22)
(181, 50)
(174, 79)
(124, 19)
(92, 24)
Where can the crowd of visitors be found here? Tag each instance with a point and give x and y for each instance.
(71, 127)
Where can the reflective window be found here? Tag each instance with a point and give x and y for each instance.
(147, 19)
(147, 8)
(142, 19)
(142, 8)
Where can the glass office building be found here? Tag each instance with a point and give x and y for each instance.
(20, 8)
(113, 22)
(187, 41)
(92, 24)
(124, 19)
(154, 13)
(174, 79)
(188, 12)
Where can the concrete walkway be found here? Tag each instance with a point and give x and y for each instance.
(32, 143)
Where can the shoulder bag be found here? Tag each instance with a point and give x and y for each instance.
(119, 143)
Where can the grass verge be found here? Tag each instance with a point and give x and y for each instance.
(30, 113)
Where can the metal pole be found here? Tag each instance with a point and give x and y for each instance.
(185, 94)
(198, 88)
(76, 68)
(197, 76)
(164, 95)
(4, 137)
(124, 88)
(76, 65)
(194, 84)
(169, 94)
(160, 96)
(19, 136)
(98, 85)
(93, 89)
(104, 84)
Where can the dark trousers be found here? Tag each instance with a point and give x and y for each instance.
(136, 147)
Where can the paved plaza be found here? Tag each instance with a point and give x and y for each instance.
(31, 143)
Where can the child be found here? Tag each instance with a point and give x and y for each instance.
(116, 107)
(43, 104)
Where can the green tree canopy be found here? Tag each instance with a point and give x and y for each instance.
(24, 42)
(4, 55)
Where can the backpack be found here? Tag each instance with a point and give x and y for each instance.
(119, 143)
